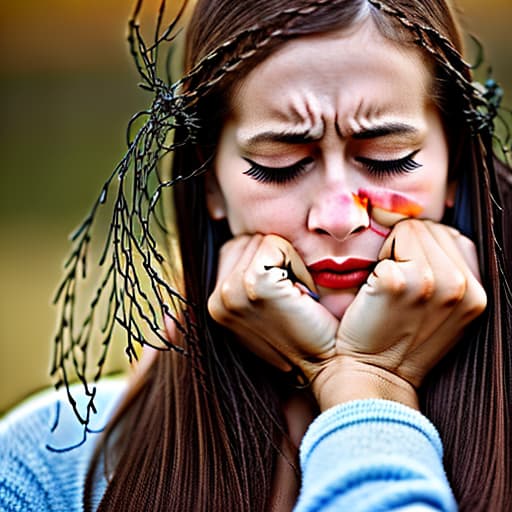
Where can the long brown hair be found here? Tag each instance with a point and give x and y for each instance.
(203, 432)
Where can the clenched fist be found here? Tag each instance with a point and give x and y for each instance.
(414, 307)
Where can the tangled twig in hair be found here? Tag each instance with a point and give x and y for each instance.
(133, 291)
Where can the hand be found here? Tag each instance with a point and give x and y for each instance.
(256, 299)
(410, 313)
(412, 310)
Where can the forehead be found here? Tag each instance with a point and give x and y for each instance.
(343, 75)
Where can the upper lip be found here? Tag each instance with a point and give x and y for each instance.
(346, 265)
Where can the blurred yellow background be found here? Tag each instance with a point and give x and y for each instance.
(68, 89)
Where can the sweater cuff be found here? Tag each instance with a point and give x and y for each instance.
(358, 412)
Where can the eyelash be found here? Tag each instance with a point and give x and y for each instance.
(377, 168)
(278, 175)
(386, 168)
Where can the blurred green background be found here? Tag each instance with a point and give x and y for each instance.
(68, 89)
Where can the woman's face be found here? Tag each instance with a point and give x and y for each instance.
(320, 125)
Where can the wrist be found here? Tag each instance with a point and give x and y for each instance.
(343, 379)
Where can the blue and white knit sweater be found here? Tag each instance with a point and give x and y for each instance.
(368, 455)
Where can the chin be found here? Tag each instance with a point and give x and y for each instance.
(336, 301)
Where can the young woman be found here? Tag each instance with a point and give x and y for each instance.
(336, 206)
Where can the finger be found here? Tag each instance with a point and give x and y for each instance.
(299, 318)
(266, 276)
(229, 295)
(440, 267)
(456, 296)
(259, 303)
(451, 278)
(364, 326)
(450, 332)
(402, 243)
(462, 252)
(459, 248)
(301, 272)
(433, 285)
(386, 218)
(458, 290)
(404, 246)
(292, 258)
(274, 270)
(469, 252)
(234, 253)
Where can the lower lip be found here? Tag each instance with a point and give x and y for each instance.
(343, 280)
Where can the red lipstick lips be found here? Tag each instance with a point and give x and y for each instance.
(352, 273)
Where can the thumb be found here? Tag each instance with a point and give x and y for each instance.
(292, 262)
(366, 320)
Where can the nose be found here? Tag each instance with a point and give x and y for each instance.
(338, 213)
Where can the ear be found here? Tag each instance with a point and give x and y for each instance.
(215, 201)
(450, 194)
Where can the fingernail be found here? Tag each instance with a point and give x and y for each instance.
(307, 291)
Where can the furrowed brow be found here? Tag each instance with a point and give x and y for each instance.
(385, 130)
(305, 137)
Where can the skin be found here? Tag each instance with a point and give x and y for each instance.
(316, 212)
(354, 97)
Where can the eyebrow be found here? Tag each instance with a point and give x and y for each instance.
(384, 130)
(304, 137)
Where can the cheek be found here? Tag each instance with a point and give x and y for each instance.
(435, 200)
(256, 208)
(428, 186)
(431, 189)
(428, 193)
(434, 185)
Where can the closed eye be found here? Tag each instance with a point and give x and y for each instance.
(278, 175)
(387, 168)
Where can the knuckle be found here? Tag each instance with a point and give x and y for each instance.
(477, 303)
(239, 242)
(409, 225)
(228, 246)
(251, 287)
(456, 234)
(391, 278)
(397, 285)
(415, 223)
(467, 242)
(272, 239)
(471, 313)
(216, 310)
(231, 300)
(274, 247)
(464, 243)
(425, 286)
(454, 291)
